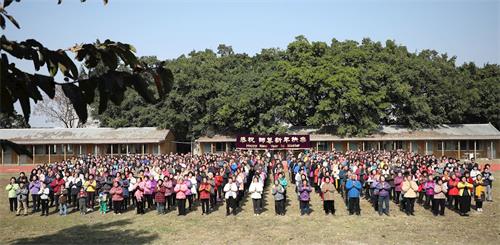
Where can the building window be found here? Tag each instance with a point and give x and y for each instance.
(232, 146)
(339, 146)
(138, 148)
(353, 146)
(323, 146)
(400, 145)
(450, 145)
(155, 149)
(83, 149)
(370, 145)
(40, 149)
(220, 146)
(207, 148)
(69, 149)
(387, 145)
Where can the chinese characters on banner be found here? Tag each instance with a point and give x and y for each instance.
(273, 141)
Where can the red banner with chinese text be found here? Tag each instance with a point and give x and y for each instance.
(250, 141)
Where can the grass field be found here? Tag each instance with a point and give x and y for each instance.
(369, 228)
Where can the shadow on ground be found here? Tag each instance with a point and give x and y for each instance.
(101, 233)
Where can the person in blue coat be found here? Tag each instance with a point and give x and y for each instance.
(353, 187)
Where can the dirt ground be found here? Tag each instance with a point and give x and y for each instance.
(369, 228)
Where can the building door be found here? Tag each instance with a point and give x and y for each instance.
(7, 155)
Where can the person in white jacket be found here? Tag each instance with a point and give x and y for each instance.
(256, 188)
(231, 191)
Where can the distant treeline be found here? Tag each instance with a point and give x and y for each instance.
(351, 87)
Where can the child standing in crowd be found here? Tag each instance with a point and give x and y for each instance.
(63, 202)
(44, 198)
(22, 199)
(11, 189)
(82, 201)
(103, 202)
(279, 198)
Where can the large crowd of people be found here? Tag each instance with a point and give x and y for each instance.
(165, 183)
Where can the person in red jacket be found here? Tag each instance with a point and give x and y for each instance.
(218, 185)
(56, 186)
(204, 191)
(453, 192)
(160, 197)
(116, 193)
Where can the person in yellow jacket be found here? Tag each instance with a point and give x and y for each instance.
(465, 193)
(11, 189)
(90, 186)
(410, 189)
(479, 192)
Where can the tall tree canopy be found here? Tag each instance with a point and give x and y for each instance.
(348, 87)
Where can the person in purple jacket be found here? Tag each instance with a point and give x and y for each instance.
(429, 191)
(34, 188)
(304, 197)
(189, 195)
(383, 188)
(398, 182)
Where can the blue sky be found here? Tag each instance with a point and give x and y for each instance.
(468, 29)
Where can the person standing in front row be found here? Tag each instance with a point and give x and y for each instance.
(44, 198)
(383, 189)
(256, 188)
(410, 189)
(11, 188)
(279, 198)
(439, 199)
(304, 197)
(465, 193)
(205, 191)
(22, 199)
(231, 190)
(327, 188)
(353, 187)
(181, 189)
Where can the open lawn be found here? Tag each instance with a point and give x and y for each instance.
(369, 228)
